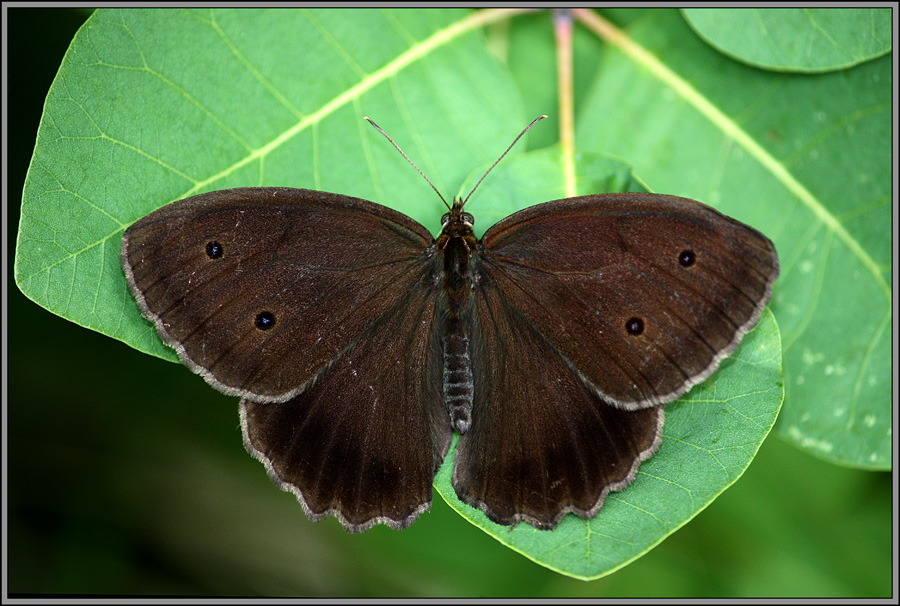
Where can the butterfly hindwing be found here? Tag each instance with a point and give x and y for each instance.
(364, 441)
(542, 443)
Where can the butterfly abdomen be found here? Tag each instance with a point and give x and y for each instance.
(458, 384)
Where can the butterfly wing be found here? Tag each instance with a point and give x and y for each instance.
(364, 441)
(319, 310)
(541, 443)
(589, 314)
(643, 295)
(260, 289)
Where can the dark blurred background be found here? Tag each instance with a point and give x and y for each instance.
(127, 476)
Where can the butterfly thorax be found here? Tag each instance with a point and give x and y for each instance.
(455, 244)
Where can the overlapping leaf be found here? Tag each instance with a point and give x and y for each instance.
(796, 39)
(805, 159)
(138, 117)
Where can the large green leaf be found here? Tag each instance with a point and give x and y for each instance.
(795, 39)
(807, 160)
(126, 475)
(711, 434)
(136, 118)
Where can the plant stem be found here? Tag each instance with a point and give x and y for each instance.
(562, 20)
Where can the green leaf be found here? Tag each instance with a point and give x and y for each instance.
(135, 120)
(138, 117)
(806, 160)
(796, 39)
(136, 457)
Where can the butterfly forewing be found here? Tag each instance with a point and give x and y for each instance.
(235, 279)
(643, 295)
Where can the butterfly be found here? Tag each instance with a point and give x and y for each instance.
(359, 343)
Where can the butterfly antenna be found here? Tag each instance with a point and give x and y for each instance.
(408, 160)
(527, 128)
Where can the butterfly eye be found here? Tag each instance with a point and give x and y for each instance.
(214, 250)
(687, 258)
(634, 326)
(265, 320)
(468, 219)
(445, 219)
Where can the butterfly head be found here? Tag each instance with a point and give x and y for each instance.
(456, 219)
(457, 224)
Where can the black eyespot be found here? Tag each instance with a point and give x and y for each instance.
(214, 250)
(634, 326)
(265, 320)
(687, 258)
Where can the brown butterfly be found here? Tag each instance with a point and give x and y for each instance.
(358, 342)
